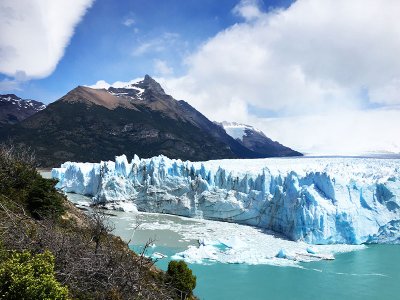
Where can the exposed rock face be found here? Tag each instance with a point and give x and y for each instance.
(13, 109)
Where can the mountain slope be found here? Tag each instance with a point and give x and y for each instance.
(256, 140)
(91, 125)
(13, 109)
(158, 100)
(138, 118)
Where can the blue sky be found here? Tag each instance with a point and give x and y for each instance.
(320, 76)
(105, 40)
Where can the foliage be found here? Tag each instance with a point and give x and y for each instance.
(43, 199)
(20, 182)
(181, 277)
(92, 263)
(23, 276)
(88, 260)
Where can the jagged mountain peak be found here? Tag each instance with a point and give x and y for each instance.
(134, 118)
(8, 97)
(150, 84)
(14, 109)
(134, 89)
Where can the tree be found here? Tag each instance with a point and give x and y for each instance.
(43, 200)
(21, 183)
(181, 277)
(23, 276)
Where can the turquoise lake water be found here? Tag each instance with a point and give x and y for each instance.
(371, 273)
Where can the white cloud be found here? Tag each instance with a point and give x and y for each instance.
(102, 84)
(388, 93)
(248, 9)
(35, 33)
(159, 44)
(351, 132)
(128, 22)
(331, 58)
(161, 68)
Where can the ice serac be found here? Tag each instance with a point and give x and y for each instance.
(317, 200)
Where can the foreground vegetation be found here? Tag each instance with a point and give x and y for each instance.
(51, 250)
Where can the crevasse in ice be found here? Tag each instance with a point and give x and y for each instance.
(316, 200)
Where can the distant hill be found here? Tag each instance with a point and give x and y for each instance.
(255, 140)
(140, 118)
(13, 109)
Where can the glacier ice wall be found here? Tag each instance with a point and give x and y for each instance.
(316, 200)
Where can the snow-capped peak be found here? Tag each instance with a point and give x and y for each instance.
(133, 89)
(13, 109)
(12, 99)
(237, 130)
(9, 98)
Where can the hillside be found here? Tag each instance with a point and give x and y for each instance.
(80, 256)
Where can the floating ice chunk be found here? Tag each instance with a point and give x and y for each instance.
(126, 206)
(233, 242)
(177, 257)
(158, 255)
(281, 254)
(197, 254)
(311, 250)
(261, 247)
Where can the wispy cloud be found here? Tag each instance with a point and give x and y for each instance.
(7, 85)
(161, 68)
(158, 44)
(128, 22)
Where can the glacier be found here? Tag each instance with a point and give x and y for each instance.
(314, 200)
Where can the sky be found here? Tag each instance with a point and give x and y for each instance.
(320, 76)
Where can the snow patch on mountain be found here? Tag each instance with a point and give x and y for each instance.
(21, 103)
(133, 89)
(237, 130)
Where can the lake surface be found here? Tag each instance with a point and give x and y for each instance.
(370, 273)
(373, 273)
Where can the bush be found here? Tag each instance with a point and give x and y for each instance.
(181, 277)
(21, 183)
(23, 276)
(43, 199)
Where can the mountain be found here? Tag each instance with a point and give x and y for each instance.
(90, 125)
(13, 109)
(255, 140)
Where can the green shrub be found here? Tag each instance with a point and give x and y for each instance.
(181, 277)
(43, 199)
(20, 182)
(23, 276)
